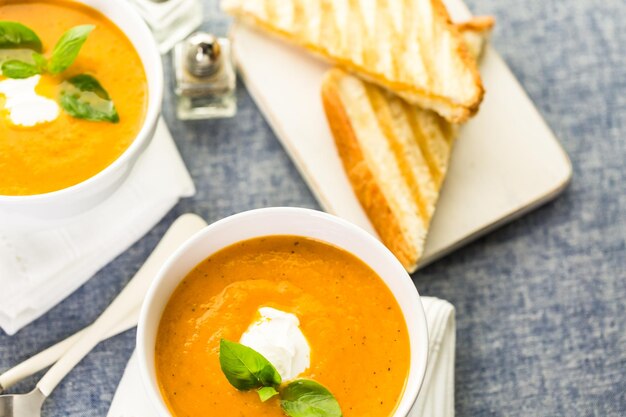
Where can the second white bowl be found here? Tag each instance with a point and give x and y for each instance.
(33, 212)
(284, 221)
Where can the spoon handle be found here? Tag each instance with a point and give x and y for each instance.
(51, 354)
(183, 228)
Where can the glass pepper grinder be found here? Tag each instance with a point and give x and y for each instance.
(205, 77)
(170, 20)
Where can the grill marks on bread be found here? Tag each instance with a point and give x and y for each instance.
(395, 155)
(406, 46)
(389, 153)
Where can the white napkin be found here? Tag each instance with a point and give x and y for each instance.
(435, 400)
(39, 269)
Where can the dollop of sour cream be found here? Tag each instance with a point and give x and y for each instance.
(25, 106)
(277, 336)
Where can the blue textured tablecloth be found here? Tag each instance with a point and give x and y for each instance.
(540, 303)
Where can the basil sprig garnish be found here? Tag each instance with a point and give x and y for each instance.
(67, 48)
(83, 97)
(16, 35)
(247, 369)
(306, 398)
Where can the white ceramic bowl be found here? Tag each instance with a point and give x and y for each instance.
(283, 221)
(26, 212)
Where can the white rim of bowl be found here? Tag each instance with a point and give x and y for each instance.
(405, 404)
(151, 119)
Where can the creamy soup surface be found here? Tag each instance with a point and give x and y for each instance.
(55, 155)
(353, 324)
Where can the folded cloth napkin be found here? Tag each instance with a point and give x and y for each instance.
(435, 400)
(39, 269)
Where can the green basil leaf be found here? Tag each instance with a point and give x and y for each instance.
(67, 48)
(266, 393)
(306, 398)
(19, 69)
(245, 368)
(84, 97)
(16, 35)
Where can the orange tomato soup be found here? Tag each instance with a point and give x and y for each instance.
(353, 324)
(55, 155)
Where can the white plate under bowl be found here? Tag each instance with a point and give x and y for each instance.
(505, 162)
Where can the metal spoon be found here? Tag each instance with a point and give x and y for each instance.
(29, 405)
(50, 355)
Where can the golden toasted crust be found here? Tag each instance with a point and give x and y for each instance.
(361, 177)
(454, 109)
(481, 24)
(475, 33)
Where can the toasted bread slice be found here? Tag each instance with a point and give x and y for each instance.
(409, 47)
(395, 155)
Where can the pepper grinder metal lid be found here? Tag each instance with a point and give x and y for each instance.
(204, 57)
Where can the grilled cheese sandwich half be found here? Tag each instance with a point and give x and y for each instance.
(409, 47)
(395, 154)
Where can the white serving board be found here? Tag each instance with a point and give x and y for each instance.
(505, 162)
